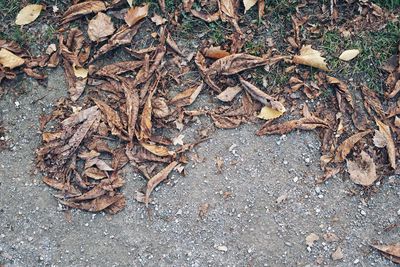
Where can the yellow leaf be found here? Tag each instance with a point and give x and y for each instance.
(268, 113)
(28, 14)
(349, 54)
(310, 57)
(80, 72)
(161, 151)
(10, 60)
(248, 4)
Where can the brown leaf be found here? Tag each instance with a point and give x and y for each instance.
(81, 9)
(344, 149)
(79, 117)
(160, 107)
(390, 146)
(229, 7)
(135, 14)
(225, 122)
(10, 60)
(205, 16)
(187, 97)
(215, 52)
(56, 184)
(307, 123)
(132, 109)
(145, 120)
(112, 116)
(201, 65)
(100, 27)
(236, 63)
(229, 93)
(392, 251)
(95, 205)
(310, 57)
(158, 20)
(118, 68)
(372, 102)
(158, 178)
(203, 210)
(262, 97)
(362, 172)
(343, 89)
(161, 151)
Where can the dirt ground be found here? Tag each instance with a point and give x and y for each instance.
(261, 207)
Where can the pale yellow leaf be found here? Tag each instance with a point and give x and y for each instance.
(80, 72)
(10, 60)
(310, 57)
(268, 113)
(99, 27)
(28, 14)
(349, 54)
(248, 4)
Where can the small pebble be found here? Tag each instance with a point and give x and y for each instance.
(356, 261)
(363, 213)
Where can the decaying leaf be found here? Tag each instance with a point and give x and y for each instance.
(80, 72)
(215, 52)
(28, 14)
(158, 178)
(161, 151)
(135, 14)
(306, 123)
(10, 60)
(204, 16)
(97, 204)
(344, 149)
(310, 57)
(81, 9)
(343, 89)
(311, 238)
(203, 210)
(268, 113)
(158, 20)
(390, 146)
(392, 251)
(337, 254)
(187, 97)
(349, 54)
(363, 171)
(248, 4)
(229, 93)
(99, 27)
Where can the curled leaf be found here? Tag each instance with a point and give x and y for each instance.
(81, 9)
(310, 57)
(392, 252)
(135, 14)
(28, 14)
(158, 178)
(188, 96)
(248, 4)
(390, 146)
(344, 149)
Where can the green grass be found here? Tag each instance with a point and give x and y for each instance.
(390, 4)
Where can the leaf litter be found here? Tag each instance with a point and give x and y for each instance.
(120, 105)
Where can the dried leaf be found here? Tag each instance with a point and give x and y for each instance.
(95, 205)
(379, 139)
(135, 14)
(331, 237)
(362, 172)
(236, 63)
(81, 9)
(390, 146)
(80, 72)
(310, 57)
(343, 89)
(28, 14)
(392, 251)
(268, 113)
(145, 120)
(99, 27)
(338, 254)
(132, 109)
(248, 4)
(158, 178)
(203, 210)
(158, 20)
(160, 107)
(161, 151)
(307, 123)
(10, 60)
(205, 16)
(187, 97)
(349, 54)
(311, 238)
(344, 149)
(229, 93)
(215, 52)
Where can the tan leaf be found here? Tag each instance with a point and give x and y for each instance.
(392, 251)
(310, 57)
(225, 122)
(390, 146)
(343, 89)
(236, 63)
(331, 237)
(248, 4)
(187, 97)
(215, 52)
(203, 211)
(10, 60)
(132, 108)
(129, 2)
(205, 16)
(338, 254)
(100, 26)
(306, 123)
(95, 173)
(28, 14)
(349, 54)
(363, 171)
(135, 14)
(229, 93)
(160, 108)
(268, 113)
(397, 122)
(161, 151)
(145, 120)
(228, 7)
(80, 72)
(158, 20)
(158, 178)
(311, 238)
(96, 204)
(379, 139)
(49, 136)
(344, 149)
(81, 9)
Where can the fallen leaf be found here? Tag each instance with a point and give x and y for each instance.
(161, 151)
(10, 60)
(135, 14)
(248, 4)
(331, 237)
(229, 93)
(397, 122)
(379, 139)
(80, 72)
(338, 254)
(228, 7)
(215, 52)
(392, 251)
(307, 123)
(96, 204)
(99, 27)
(187, 97)
(363, 171)
(132, 109)
(203, 210)
(310, 57)
(158, 178)
(178, 140)
(349, 54)
(158, 20)
(268, 113)
(344, 149)
(343, 89)
(129, 2)
(311, 238)
(81, 9)
(145, 120)
(222, 248)
(219, 162)
(28, 14)
(205, 16)
(390, 146)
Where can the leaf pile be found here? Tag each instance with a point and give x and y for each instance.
(115, 114)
